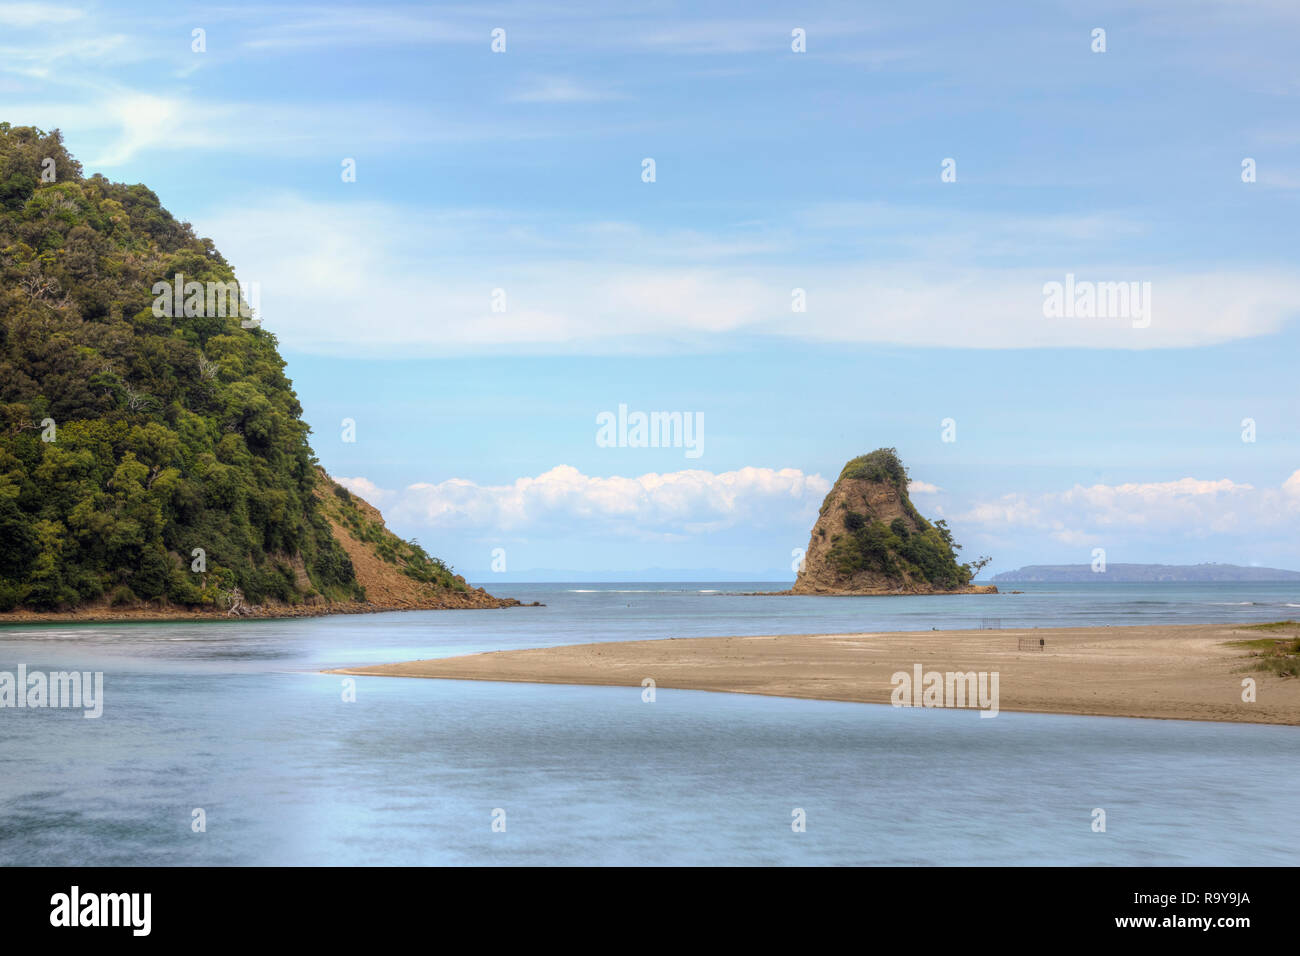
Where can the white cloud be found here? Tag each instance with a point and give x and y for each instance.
(367, 489)
(371, 278)
(922, 488)
(563, 500)
(1189, 508)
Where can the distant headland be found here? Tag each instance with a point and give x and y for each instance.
(1142, 573)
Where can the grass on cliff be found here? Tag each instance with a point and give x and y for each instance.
(407, 556)
(883, 464)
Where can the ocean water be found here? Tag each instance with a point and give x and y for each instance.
(235, 718)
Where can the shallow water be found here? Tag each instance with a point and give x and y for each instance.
(235, 718)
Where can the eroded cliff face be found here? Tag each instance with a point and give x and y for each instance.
(870, 539)
(822, 574)
(396, 575)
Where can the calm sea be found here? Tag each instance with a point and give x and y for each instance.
(234, 718)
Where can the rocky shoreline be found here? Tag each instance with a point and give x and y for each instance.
(474, 599)
(885, 592)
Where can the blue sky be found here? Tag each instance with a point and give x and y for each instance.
(521, 171)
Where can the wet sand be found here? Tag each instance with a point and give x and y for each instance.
(1173, 672)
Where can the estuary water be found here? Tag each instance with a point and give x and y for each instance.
(234, 719)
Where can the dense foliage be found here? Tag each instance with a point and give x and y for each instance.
(883, 464)
(924, 551)
(926, 554)
(128, 440)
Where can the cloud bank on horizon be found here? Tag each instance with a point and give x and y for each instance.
(653, 506)
(681, 505)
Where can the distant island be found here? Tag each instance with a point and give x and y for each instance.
(870, 539)
(1141, 573)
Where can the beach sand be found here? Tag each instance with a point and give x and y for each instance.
(1183, 672)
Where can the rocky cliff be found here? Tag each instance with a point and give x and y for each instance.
(870, 539)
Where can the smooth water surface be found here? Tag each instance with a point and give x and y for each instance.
(235, 718)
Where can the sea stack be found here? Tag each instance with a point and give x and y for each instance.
(870, 539)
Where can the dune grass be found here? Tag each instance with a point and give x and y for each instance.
(1274, 655)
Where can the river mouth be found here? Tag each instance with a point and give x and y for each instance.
(238, 721)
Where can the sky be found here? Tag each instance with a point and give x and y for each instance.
(807, 253)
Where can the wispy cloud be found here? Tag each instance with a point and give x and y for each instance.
(125, 123)
(50, 60)
(291, 28)
(24, 15)
(560, 89)
(737, 36)
(344, 278)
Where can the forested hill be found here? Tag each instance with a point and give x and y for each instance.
(150, 454)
